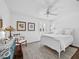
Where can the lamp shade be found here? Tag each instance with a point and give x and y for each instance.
(10, 29)
(2, 34)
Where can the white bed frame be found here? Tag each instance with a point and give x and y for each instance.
(52, 43)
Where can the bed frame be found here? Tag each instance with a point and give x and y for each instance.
(52, 43)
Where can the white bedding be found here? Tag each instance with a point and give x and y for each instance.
(63, 41)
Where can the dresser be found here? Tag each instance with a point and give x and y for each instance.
(7, 49)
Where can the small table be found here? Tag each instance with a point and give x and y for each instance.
(20, 39)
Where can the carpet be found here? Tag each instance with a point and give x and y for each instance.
(37, 51)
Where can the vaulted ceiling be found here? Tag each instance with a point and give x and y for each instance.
(29, 7)
(35, 7)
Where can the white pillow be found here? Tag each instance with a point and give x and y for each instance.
(58, 31)
(68, 31)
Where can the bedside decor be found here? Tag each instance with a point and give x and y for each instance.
(1, 23)
(31, 26)
(21, 26)
(10, 29)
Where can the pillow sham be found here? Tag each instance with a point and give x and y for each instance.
(58, 31)
(68, 31)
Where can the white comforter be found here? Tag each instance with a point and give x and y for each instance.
(65, 40)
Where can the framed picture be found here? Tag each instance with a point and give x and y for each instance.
(31, 26)
(1, 23)
(21, 26)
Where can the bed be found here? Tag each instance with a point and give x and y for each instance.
(57, 42)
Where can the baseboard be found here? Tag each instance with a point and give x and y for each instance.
(33, 41)
(75, 45)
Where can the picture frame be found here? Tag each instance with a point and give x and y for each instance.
(1, 23)
(21, 26)
(31, 26)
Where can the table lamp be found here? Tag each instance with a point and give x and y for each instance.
(10, 29)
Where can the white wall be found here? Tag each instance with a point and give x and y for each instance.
(4, 13)
(30, 36)
(69, 17)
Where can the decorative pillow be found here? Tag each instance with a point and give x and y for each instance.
(68, 31)
(58, 31)
(3, 51)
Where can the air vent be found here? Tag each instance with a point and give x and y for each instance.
(77, 0)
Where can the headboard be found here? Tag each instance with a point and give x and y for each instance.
(64, 31)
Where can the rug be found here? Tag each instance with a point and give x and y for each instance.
(37, 51)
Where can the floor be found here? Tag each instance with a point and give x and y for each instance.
(18, 52)
(75, 56)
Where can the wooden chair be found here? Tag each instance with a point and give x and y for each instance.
(20, 39)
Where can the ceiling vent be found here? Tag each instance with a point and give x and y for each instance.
(77, 0)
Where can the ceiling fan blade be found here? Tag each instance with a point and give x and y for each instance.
(53, 14)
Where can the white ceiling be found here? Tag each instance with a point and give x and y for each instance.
(34, 7)
(28, 7)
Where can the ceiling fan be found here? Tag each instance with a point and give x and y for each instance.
(48, 11)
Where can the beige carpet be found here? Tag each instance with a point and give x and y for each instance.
(38, 51)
